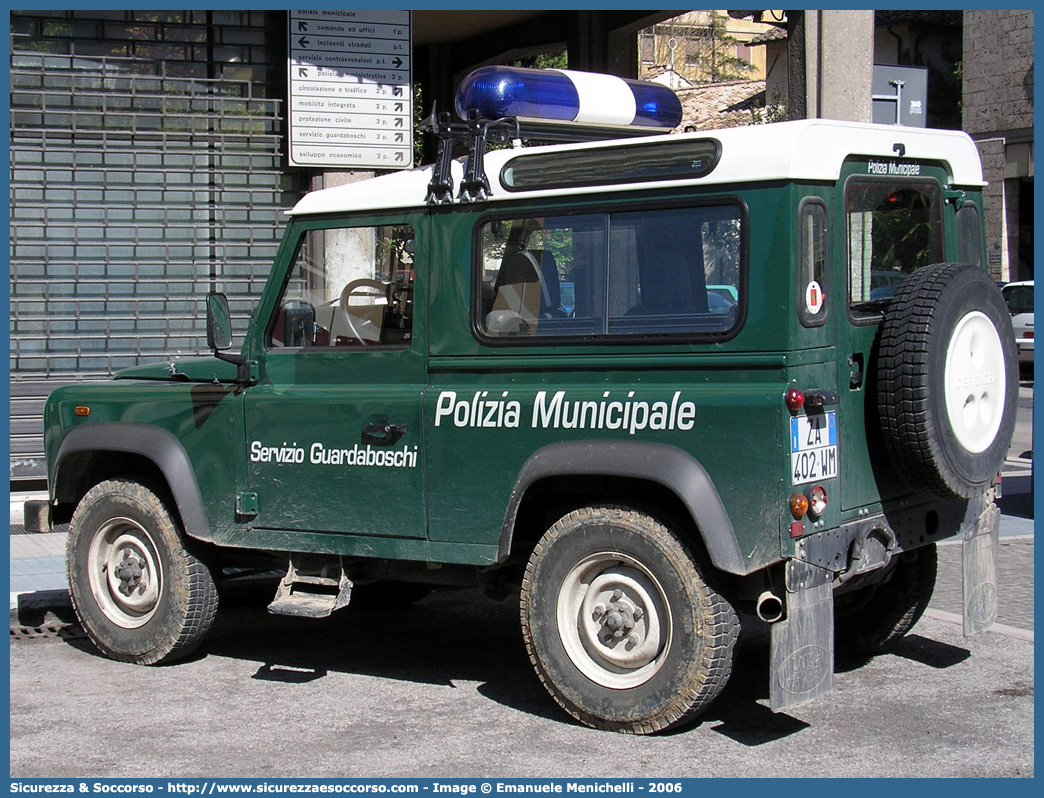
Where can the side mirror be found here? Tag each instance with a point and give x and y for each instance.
(219, 336)
(219, 322)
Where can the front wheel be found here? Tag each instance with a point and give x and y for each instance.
(138, 593)
(620, 622)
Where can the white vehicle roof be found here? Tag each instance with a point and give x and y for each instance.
(806, 150)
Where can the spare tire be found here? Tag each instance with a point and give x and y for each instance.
(947, 387)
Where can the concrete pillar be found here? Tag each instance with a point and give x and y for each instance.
(839, 64)
(349, 253)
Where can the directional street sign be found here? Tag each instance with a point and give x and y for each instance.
(350, 77)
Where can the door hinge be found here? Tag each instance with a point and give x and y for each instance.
(252, 372)
(956, 196)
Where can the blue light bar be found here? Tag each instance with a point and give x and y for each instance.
(566, 96)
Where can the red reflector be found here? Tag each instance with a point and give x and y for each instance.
(797, 529)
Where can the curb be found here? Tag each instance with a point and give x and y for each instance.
(41, 608)
(997, 628)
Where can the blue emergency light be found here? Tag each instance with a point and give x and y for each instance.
(566, 96)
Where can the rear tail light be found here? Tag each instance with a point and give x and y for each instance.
(813, 505)
(817, 500)
(795, 399)
(799, 505)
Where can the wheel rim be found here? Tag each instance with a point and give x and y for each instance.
(614, 620)
(124, 572)
(974, 382)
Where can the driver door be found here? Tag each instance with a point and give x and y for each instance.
(333, 429)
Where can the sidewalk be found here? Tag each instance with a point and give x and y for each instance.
(39, 587)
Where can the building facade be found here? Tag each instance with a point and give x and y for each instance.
(997, 112)
(702, 47)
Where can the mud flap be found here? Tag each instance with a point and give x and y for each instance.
(979, 555)
(802, 647)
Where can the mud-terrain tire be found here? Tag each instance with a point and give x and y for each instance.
(868, 619)
(947, 387)
(603, 570)
(138, 593)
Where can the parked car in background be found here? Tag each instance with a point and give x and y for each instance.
(1019, 297)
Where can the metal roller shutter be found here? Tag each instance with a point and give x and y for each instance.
(147, 168)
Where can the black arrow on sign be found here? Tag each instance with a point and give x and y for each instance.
(398, 106)
(398, 156)
(397, 62)
(303, 41)
(398, 122)
(397, 92)
(302, 27)
(398, 136)
(302, 72)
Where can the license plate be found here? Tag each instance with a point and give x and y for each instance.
(813, 448)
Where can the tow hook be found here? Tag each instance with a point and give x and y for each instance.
(871, 549)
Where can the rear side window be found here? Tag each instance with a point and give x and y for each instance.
(969, 236)
(664, 271)
(894, 228)
(813, 290)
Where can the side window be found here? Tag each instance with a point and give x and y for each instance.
(543, 276)
(349, 286)
(969, 236)
(894, 228)
(813, 289)
(653, 272)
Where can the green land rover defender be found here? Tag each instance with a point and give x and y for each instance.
(643, 383)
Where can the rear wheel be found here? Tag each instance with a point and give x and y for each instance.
(620, 622)
(867, 619)
(139, 594)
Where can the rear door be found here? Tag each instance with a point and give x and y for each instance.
(892, 216)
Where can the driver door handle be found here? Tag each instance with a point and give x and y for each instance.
(383, 434)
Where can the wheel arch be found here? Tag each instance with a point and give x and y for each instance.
(95, 452)
(668, 467)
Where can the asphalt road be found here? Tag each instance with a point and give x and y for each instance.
(444, 689)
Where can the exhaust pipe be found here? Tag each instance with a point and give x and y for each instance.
(770, 607)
